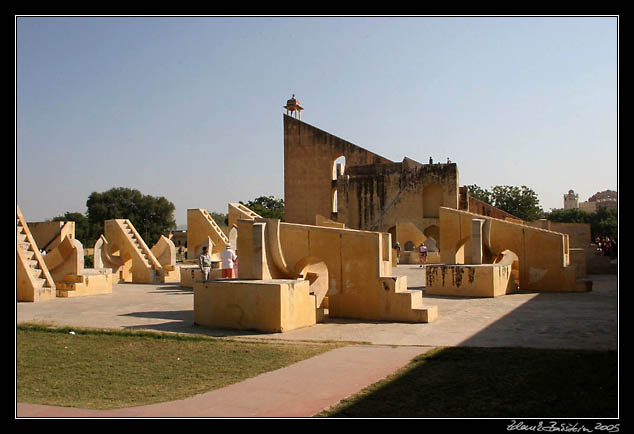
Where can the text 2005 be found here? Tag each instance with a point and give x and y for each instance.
(607, 428)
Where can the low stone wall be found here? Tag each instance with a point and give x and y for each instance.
(489, 280)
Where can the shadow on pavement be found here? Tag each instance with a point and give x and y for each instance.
(584, 320)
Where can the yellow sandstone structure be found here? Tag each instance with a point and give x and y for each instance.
(33, 280)
(264, 305)
(484, 280)
(514, 254)
(122, 249)
(341, 182)
(236, 212)
(202, 231)
(165, 253)
(63, 263)
(326, 177)
(66, 264)
(302, 270)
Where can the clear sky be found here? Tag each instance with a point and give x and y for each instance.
(191, 108)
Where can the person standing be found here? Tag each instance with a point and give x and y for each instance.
(228, 258)
(204, 260)
(422, 254)
(235, 266)
(397, 247)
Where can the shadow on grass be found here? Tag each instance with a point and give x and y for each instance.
(515, 367)
(468, 382)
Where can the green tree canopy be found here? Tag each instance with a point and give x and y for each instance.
(570, 215)
(522, 202)
(480, 193)
(151, 216)
(267, 207)
(603, 222)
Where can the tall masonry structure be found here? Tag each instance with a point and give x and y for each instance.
(327, 176)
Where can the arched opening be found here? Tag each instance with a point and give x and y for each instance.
(125, 272)
(114, 249)
(316, 272)
(508, 257)
(459, 249)
(432, 201)
(233, 236)
(338, 167)
(433, 232)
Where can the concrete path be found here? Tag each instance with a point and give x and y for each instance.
(545, 320)
(300, 390)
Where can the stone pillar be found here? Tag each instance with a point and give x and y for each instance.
(259, 255)
(476, 241)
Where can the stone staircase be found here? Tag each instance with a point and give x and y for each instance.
(407, 304)
(34, 280)
(144, 266)
(202, 230)
(141, 249)
(214, 225)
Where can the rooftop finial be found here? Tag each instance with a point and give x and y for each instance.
(292, 106)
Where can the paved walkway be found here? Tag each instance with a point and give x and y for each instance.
(300, 390)
(546, 320)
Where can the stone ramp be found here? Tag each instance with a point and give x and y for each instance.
(300, 390)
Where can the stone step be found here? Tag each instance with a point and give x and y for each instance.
(74, 278)
(427, 314)
(65, 286)
(37, 273)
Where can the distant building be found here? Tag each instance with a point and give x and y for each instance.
(179, 238)
(588, 206)
(571, 200)
(607, 198)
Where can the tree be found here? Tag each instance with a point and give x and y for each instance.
(603, 222)
(568, 215)
(480, 193)
(267, 207)
(151, 216)
(522, 202)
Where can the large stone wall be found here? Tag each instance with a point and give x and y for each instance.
(309, 158)
(579, 234)
(370, 193)
(377, 197)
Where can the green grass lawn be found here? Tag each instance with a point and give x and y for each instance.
(463, 382)
(96, 369)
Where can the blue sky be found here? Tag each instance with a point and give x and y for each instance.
(191, 108)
